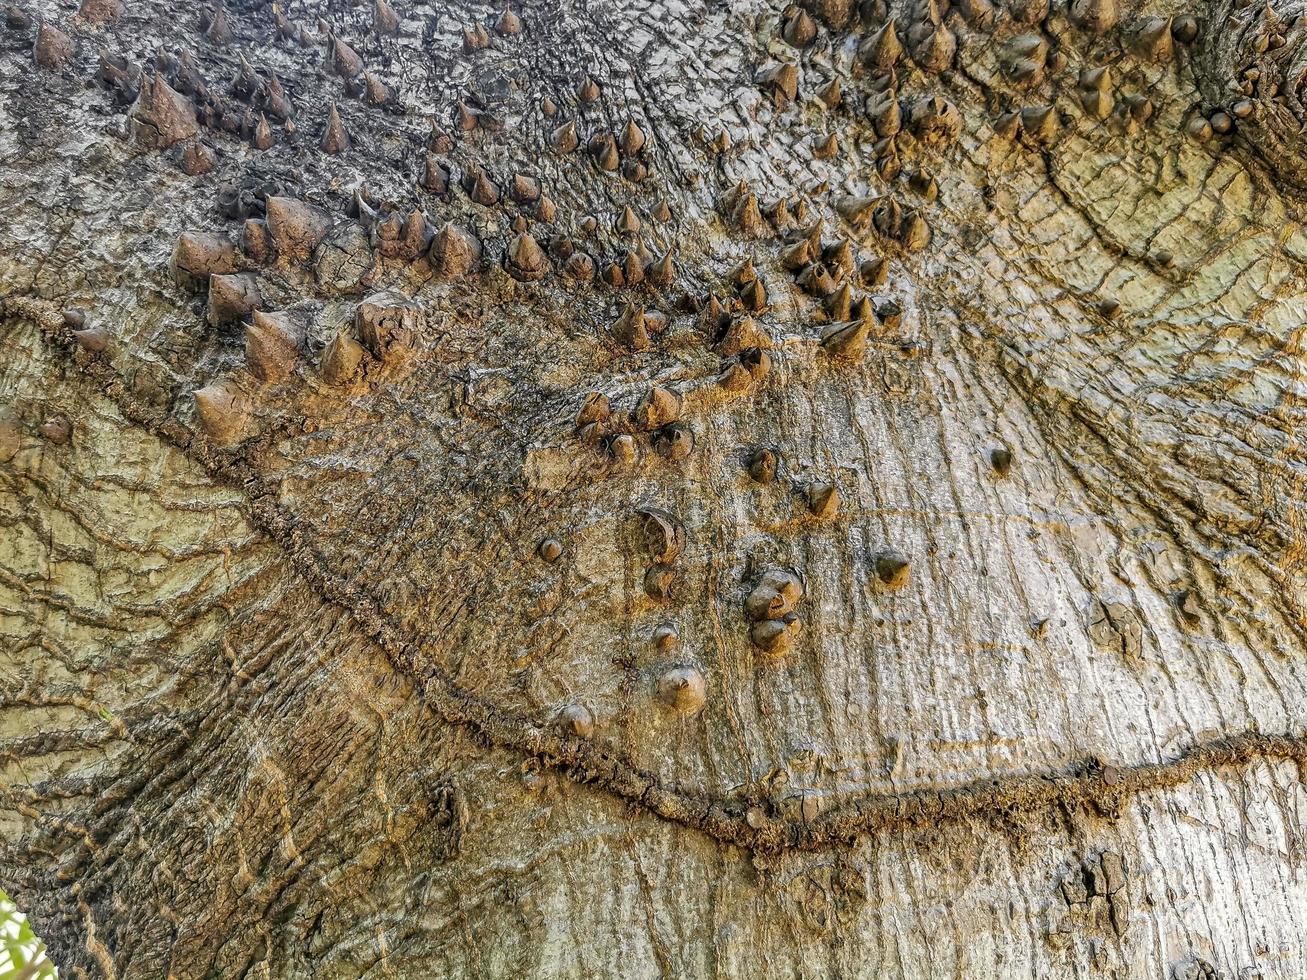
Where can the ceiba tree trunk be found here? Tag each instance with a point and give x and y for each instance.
(654, 488)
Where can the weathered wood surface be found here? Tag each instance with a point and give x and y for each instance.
(654, 488)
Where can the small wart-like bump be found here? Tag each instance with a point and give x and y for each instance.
(57, 430)
(892, 568)
(576, 719)
(682, 689)
(550, 550)
(1001, 459)
(658, 582)
(665, 638)
(762, 466)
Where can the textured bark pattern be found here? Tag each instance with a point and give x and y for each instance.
(652, 488)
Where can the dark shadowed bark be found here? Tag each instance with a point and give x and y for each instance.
(654, 488)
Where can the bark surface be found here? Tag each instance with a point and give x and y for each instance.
(654, 488)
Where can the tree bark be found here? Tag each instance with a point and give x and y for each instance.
(654, 489)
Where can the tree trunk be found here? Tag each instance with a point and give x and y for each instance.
(654, 488)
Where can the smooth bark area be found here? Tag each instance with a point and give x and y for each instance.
(653, 488)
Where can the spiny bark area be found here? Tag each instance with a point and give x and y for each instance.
(654, 489)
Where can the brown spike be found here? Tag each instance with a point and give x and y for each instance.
(465, 120)
(454, 252)
(661, 272)
(658, 407)
(935, 52)
(92, 339)
(839, 303)
(218, 29)
(1185, 29)
(846, 339)
(713, 318)
(799, 30)
(1007, 125)
(100, 11)
(1095, 16)
(630, 329)
(475, 38)
(1097, 104)
(526, 260)
(923, 184)
(256, 242)
(232, 297)
(632, 269)
(1040, 122)
(915, 234)
(831, 95)
(483, 190)
(881, 50)
(604, 150)
(874, 272)
(263, 138)
(781, 79)
(341, 359)
(796, 256)
(741, 335)
(632, 138)
(886, 115)
(564, 138)
(857, 210)
(334, 138)
(200, 254)
(823, 500)
(246, 82)
(1153, 40)
(839, 257)
(525, 189)
(753, 296)
(1095, 79)
(735, 378)
(375, 91)
(674, 442)
(224, 412)
(682, 689)
(627, 222)
(277, 104)
(816, 280)
(162, 116)
(1028, 11)
(272, 345)
(439, 141)
(1199, 128)
(388, 324)
(588, 90)
(595, 408)
(435, 177)
(296, 227)
(508, 24)
(345, 61)
(892, 568)
(547, 107)
(747, 217)
(384, 18)
(979, 14)
(416, 235)
(197, 159)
